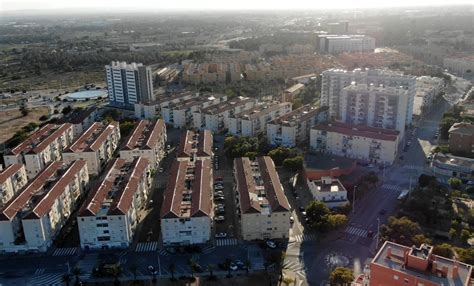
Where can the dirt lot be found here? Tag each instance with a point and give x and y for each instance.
(12, 121)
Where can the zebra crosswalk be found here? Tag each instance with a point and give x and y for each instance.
(65, 251)
(226, 242)
(147, 246)
(39, 271)
(50, 279)
(356, 231)
(413, 167)
(208, 249)
(388, 187)
(305, 237)
(296, 268)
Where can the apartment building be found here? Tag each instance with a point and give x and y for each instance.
(254, 121)
(195, 146)
(335, 80)
(81, 120)
(375, 145)
(187, 210)
(128, 84)
(338, 28)
(293, 128)
(42, 147)
(290, 93)
(336, 44)
(304, 79)
(216, 117)
(460, 66)
(375, 106)
(447, 166)
(398, 265)
(12, 180)
(110, 215)
(181, 114)
(33, 218)
(461, 138)
(263, 209)
(96, 146)
(427, 89)
(328, 190)
(151, 109)
(147, 140)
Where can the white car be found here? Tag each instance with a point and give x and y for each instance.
(233, 267)
(161, 170)
(271, 244)
(221, 235)
(219, 187)
(219, 218)
(292, 219)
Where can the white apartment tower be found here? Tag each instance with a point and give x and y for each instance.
(128, 84)
(335, 80)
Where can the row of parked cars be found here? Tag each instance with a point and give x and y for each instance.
(219, 198)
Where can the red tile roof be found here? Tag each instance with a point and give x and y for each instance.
(63, 128)
(359, 130)
(246, 185)
(19, 201)
(117, 185)
(201, 184)
(9, 171)
(40, 139)
(203, 144)
(93, 138)
(151, 131)
(46, 202)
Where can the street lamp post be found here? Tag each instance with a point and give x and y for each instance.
(353, 198)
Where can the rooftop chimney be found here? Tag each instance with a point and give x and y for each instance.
(455, 272)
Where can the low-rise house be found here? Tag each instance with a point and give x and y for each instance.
(195, 146)
(216, 117)
(12, 180)
(447, 166)
(187, 210)
(33, 218)
(254, 121)
(40, 148)
(290, 93)
(293, 128)
(148, 140)
(328, 190)
(461, 138)
(110, 215)
(262, 206)
(96, 146)
(375, 145)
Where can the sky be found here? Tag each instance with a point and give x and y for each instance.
(108, 5)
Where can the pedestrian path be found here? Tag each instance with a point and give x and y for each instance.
(388, 187)
(163, 252)
(65, 251)
(195, 257)
(305, 237)
(296, 267)
(50, 279)
(147, 246)
(226, 242)
(87, 265)
(356, 231)
(39, 271)
(208, 249)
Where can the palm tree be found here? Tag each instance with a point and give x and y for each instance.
(116, 271)
(133, 268)
(77, 271)
(210, 268)
(228, 261)
(66, 279)
(192, 265)
(247, 264)
(172, 269)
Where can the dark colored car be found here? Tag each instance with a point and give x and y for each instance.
(370, 234)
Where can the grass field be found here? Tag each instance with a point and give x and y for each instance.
(12, 121)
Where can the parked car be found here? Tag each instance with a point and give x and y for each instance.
(233, 267)
(220, 205)
(219, 194)
(219, 218)
(271, 244)
(218, 187)
(292, 219)
(240, 264)
(161, 170)
(222, 266)
(221, 235)
(170, 250)
(219, 199)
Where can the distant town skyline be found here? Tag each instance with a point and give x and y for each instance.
(110, 5)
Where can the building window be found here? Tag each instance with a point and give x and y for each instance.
(406, 280)
(395, 277)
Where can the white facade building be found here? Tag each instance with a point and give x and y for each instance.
(427, 89)
(187, 210)
(32, 219)
(96, 146)
(364, 143)
(254, 121)
(216, 117)
(334, 80)
(328, 190)
(336, 44)
(42, 147)
(262, 205)
(152, 109)
(12, 180)
(110, 215)
(147, 140)
(293, 128)
(463, 67)
(128, 84)
(375, 106)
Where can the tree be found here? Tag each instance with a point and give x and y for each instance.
(66, 279)
(465, 235)
(279, 154)
(318, 216)
(227, 263)
(172, 269)
(210, 268)
(24, 110)
(403, 231)
(247, 264)
(445, 250)
(296, 104)
(288, 280)
(251, 155)
(133, 268)
(192, 266)
(337, 220)
(77, 272)
(66, 110)
(293, 164)
(126, 127)
(341, 276)
(455, 183)
(445, 125)
(116, 271)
